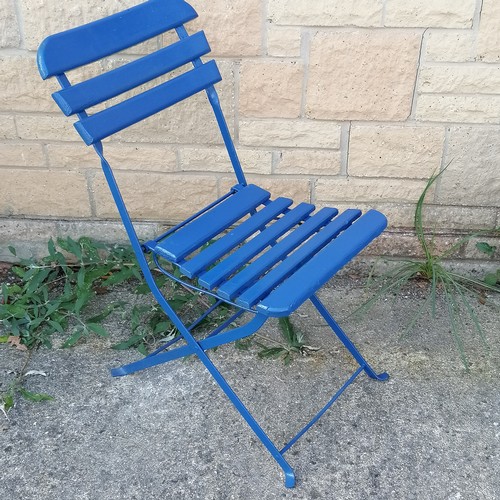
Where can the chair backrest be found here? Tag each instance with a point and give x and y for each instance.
(86, 44)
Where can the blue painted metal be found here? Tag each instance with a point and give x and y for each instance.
(77, 47)
(193, 325)
(281, 256)
(211, 223)
(111, 120)
(100, 88)
(233, 238)
(227, 323)
(298, 258)
(279, 251)
(197, 321)
(166, 345)
(211, 278)
(226, 135)
(347, 383)
(321, 267)
(190, 285)
(151, 244)
(150, 361)
(160, 356)
(347, 341)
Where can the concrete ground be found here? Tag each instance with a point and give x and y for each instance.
(431, 432)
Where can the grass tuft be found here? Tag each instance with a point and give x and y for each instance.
(459, 292)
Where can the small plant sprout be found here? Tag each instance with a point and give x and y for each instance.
(492, 278)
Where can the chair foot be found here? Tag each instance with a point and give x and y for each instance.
(289, 478)
(153, 359)
(119, 372)
(376, 376)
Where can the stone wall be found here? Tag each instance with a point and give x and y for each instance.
(330, 101)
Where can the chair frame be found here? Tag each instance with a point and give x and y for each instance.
(224, 333)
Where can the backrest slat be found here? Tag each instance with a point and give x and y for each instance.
(83, 95)
(109, 121)
(83, 45)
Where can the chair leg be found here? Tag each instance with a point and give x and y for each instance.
(264, 438)
(275, 453)
(152, 360)
(347, 341)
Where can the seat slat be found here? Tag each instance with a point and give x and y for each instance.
(274, 277)
(95, 90)
(253, 271)
(83, 45)
(316, 272)
(211, 278)
(232, 239)
(198, 232)
(109, 121)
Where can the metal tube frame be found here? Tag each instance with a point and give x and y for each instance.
(218, 337)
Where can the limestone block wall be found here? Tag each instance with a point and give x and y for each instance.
(333, 102)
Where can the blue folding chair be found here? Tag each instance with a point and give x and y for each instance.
(266, 258)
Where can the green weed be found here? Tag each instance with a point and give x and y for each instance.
(52, 295)
(16, 387)
(493, 278)
(294, 343)
(456, 289)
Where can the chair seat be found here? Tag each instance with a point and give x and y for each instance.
(276, 257)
